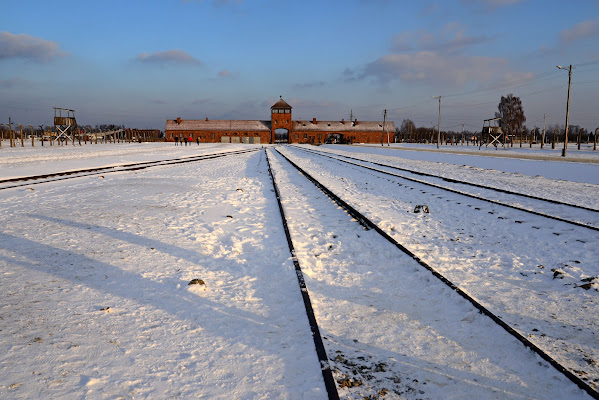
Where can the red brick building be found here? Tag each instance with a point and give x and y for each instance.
(280, 129)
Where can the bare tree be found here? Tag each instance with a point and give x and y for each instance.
(511, 114)
(407, 128)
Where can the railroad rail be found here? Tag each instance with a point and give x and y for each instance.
(318, 343)
(58, 176)
(482, 309)
(496, 202)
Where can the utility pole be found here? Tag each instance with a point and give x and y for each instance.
(567, 107)
(12, 141)
(439, 128)
(385, 125)
(544, 126)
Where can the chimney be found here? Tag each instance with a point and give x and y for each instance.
(206, 118)
(314, 121)
(178, 120)
(356, 122)
(342, 120)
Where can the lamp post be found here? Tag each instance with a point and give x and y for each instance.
(569, 69)
(439, 127)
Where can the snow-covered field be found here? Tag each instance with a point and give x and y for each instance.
(95, 301)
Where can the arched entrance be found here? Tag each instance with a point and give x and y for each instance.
(281, 135)
(334, 138)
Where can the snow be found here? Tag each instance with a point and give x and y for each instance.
(96, 302)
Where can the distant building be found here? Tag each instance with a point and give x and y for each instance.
(280, 129)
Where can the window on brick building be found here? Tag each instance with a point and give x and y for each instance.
(297, 135)
(305, 136)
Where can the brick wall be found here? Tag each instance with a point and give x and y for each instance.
(215, 136)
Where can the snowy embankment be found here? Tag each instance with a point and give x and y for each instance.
(96, 303)
(530, 271)
(95, 297)
(17, 161)
(390, 328)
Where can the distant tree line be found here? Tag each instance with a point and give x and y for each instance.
(512, 119)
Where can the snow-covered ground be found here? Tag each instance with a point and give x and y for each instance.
(95, 298)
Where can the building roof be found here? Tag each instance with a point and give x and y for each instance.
(217, 125)
(281, 104)
(345, 126)
(298, 126)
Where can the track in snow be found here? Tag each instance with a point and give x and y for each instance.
(507, 198)
(509, 329)
(59, 176)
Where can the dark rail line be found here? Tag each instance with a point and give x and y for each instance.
(360, 217)
(59, 176)
(451, 180)
(540, 214)
(327, 375)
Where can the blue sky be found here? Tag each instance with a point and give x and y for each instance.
(138, 63)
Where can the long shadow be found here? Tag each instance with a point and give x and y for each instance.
(216, 319)
(200, 312)
(408, 373)
(50, 259)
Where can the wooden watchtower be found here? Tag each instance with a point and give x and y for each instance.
(64, 123)
(492, 134)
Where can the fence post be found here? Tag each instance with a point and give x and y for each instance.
(595, 139)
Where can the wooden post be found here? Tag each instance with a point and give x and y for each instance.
(595, 139)
(22, 139)
(531, 137)
(544, 126)
(553, 140)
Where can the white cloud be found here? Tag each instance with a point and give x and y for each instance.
(452, 38)
(492, 4)
(168, 56)
(11, 83)
(226, 74)
(434, 68)
(28, 48)
(310, 85)
(580, 31)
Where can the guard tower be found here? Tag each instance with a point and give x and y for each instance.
(281, 123)
(492, 134)
(64, 123)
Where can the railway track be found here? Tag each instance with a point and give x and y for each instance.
(588, 214)
(59, 176)
(574, 376)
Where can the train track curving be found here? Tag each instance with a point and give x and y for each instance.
(590, 211)
(573, 376)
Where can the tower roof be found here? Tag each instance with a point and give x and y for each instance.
(281, 104)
